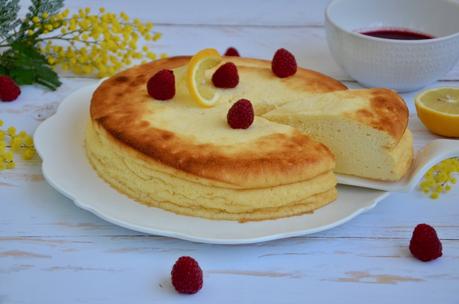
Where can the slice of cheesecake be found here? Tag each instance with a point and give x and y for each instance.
(365, 129)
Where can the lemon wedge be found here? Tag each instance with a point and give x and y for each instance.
(438, 109)
(201, 89)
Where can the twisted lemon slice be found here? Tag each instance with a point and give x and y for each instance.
(201, 89)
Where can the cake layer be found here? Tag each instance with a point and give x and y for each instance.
(148, 182)
(365, 130)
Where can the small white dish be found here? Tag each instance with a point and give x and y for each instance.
(402, 65)
(60, 143)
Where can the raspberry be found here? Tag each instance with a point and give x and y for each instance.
(186, 275)
(240, 115)
(9, 90)
(232, 52)
(162, 85)
(424, 244)
(283, 63)
(226, 76)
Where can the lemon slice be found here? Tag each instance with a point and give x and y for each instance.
(438, 109)
(201, 89)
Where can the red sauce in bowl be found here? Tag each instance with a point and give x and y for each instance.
(397, 34)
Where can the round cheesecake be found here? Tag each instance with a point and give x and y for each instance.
(186, 159)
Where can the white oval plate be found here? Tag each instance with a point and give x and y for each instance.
(60, 143)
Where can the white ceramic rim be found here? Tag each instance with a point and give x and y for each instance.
(386, 40)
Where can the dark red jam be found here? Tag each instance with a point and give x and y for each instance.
(398, 34)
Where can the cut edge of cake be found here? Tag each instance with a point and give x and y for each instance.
(365, 129)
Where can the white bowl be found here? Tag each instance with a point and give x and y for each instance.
(402, 65)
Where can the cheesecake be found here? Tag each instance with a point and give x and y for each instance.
(186, 159)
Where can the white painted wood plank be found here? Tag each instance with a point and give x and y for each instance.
(35, 209)
(309, 46)
(53, 252)
(36, 104)
(137, 269)
(214, 12)
(307, 43)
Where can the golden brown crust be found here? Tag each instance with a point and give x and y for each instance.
(121, 102)
(387, 112)
(251, 167)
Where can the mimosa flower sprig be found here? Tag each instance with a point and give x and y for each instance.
(12, 142)
(84, 43)
(440, 178)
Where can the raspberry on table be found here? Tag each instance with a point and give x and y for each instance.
(231, 51)
(240, 115)
(283, 63)
(9, 90)
(186, 275)
(226, 76)
(161, 86)
(425, 244)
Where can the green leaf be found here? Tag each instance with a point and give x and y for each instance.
(48, 78)
(3, 70)
(24, 63)
(23, 75)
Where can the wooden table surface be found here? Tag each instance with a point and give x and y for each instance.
(53, 252)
